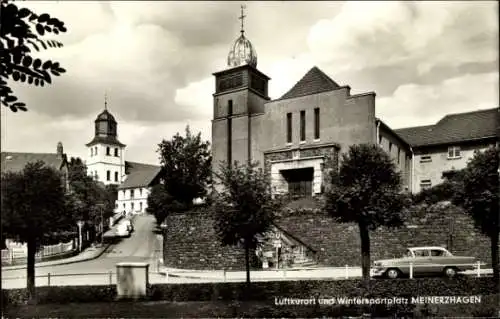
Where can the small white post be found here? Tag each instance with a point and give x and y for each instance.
(479, 269)
(284, 272)
(110, 277)
(346, 271)
(48, 279)
(411, 270)
(225, 275)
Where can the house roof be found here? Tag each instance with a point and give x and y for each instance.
(315, 81)
(139, 175)
(454, 128)
(15, 162)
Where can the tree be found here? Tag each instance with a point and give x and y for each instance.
(33, 205)
(160, 203)
(479, 198)
(20, 28)
(366, 191)
(186, 167)
(245, 209)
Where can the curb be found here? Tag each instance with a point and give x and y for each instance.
(24, 266)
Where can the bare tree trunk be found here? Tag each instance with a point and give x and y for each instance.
(31, 269)
(494, 258)
(365, 253)
(247, 262)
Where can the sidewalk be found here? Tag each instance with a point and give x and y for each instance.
(87, 254)
(297, 273)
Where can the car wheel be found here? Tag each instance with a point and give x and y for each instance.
(450, 272)
(392, 273)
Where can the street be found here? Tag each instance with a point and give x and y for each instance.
(142, 246)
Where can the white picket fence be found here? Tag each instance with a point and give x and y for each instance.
(21, 252)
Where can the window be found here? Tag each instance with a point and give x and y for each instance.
(140, 192)
(437, 253)
(230, 107)
(454, 152)
(425, 158)
(289, 127)
(131, 193)
(425, 184)
(116, 152)
(399, 155)
(390, 147)
(316, 123)
(132, 205)
(91, 152)
(123, 205)
(140, 206)
(302, 126)
(108, 175)
(116, 176)
(380, 139)
(95, 150)
(108, 151)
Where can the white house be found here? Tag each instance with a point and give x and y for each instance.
(134, 191)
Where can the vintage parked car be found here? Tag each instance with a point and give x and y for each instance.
(425, 261)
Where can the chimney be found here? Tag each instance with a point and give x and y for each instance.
(60, 150)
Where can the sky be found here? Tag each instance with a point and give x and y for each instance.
(155, 60)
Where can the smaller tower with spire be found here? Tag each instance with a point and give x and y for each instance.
(106, 160)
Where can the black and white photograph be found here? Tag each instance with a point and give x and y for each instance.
(250, 159)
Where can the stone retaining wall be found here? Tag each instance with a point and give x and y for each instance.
(190, 241)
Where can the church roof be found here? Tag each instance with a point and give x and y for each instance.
(454, 128)
(111, 140)
(105, 116)
(139, 175)
(315, 81)
(15, 162)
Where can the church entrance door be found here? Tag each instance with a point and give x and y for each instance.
(299, 181)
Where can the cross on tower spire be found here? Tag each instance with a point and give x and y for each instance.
(106, 101)
(242, 17)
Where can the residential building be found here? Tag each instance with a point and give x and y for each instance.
(134, 191)
(16, 161)
(448, 145)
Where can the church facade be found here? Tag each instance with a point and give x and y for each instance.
(299, 138)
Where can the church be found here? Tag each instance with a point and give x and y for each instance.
(106, 163)
(299, 137)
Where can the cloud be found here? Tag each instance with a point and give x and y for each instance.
(155, 60)
(414, 104)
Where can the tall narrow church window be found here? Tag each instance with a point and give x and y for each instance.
(399, 155)
(302, 126)
(95, 150)
(390, 147)
(91, 152)
(316, 123)
(108, 175)
(140, 206)
(289, 127)
(108, 151)
(229, 132)
(116, 151)
(116, 176)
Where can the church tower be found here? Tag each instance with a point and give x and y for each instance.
(240, 93)
(106, 158)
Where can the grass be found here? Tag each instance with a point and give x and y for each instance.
(226, 309)
(127, 309)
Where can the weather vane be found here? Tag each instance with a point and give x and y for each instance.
(242, 17)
